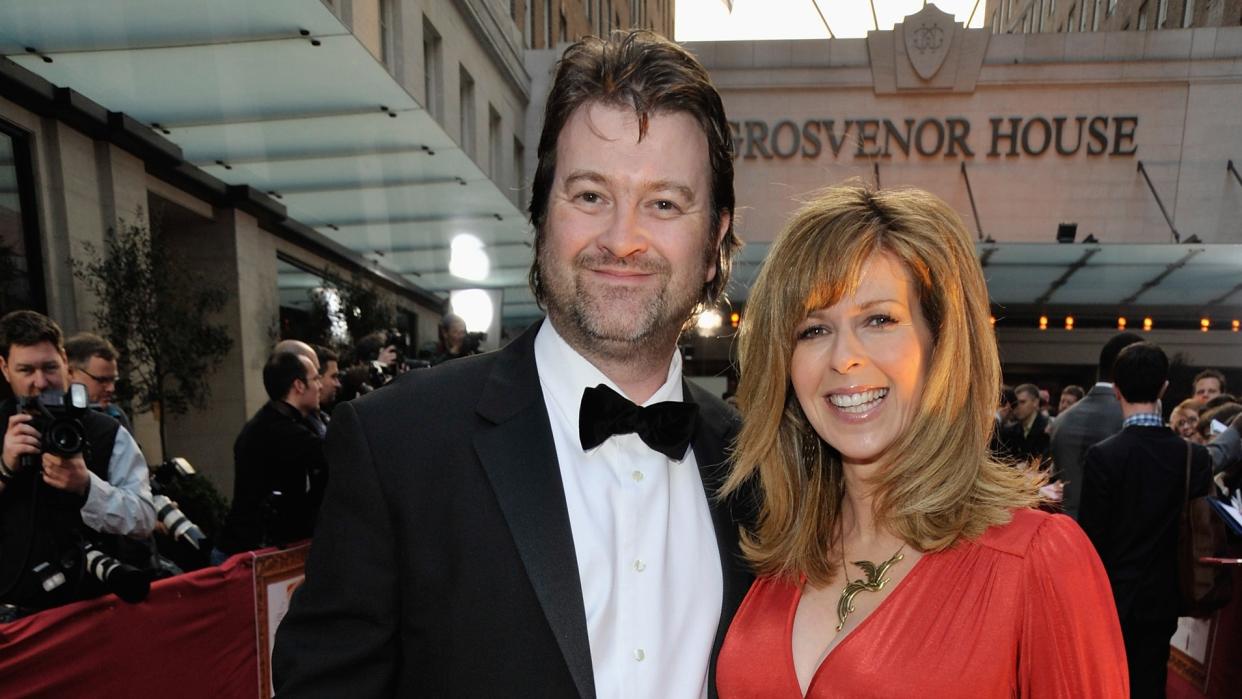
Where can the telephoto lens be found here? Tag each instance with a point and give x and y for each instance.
(126, 581)
(179, 526)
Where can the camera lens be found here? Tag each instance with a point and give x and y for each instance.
(64, 438)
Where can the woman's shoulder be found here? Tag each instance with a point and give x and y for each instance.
(1028, 530)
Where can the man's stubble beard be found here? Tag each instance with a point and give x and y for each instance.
(616, 322)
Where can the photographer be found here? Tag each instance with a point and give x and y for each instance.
(454, 341)
(52, 508)
(93, 363)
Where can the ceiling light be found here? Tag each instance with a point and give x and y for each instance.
(1121, 322)
(475, 307)
(1147, 323)
(468, 259)
(709, 320)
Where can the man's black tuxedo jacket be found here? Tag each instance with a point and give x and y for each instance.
(1134, 486)
(443, 562)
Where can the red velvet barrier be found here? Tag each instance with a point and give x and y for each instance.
(194, 636)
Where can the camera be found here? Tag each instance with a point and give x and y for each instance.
(127, 582)
(58, 418)
(167, 478)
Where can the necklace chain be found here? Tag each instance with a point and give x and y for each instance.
(877, 578)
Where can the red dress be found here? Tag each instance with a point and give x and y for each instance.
(1023, 611)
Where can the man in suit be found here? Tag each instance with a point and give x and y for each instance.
(512, 523)
(1094, 418)
(278, 450)
(1133, 492)
(1026, 439)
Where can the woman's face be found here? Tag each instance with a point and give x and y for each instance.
(1186, 423)
(858, 366)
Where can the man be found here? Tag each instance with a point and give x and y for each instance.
(1069, 396)
(51, 506)
(502, 531)
(1132, 495)
(1094, 418)
(329, 380)
(278, 460)
(93, 363)
(1208, 384)
(1027, 438)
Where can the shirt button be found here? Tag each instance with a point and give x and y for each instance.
(639, 654)
(640, 566)
(637, 476)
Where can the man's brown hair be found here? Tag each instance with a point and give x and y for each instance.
(81, 347)
(28, 328)
(652, 75)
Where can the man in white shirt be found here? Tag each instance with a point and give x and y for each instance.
(542, 521)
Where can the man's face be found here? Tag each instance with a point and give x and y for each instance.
(99, 377)
(625, 252)
(31, 369)
(1028, 403)
(329, 382)
(1207, 388)
(305, 395)
(1067, 400)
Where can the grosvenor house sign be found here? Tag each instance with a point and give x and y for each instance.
(951, 137)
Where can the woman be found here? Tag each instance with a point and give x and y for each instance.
(1184, 420)
(895, 556)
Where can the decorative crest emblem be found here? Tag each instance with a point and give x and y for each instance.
(929, 35)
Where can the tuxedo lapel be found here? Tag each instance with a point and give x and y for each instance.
(519, 457)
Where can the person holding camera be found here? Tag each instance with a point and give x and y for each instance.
(53, 505)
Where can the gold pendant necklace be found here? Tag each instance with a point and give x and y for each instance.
(876, 580)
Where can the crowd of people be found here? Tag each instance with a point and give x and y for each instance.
(568, 516)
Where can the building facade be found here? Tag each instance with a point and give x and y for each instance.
(1124, 142)
(1029, 16)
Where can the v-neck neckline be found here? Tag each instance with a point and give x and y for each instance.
(793, 613)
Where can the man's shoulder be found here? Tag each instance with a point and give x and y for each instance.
(1093, 415)
(429, 396)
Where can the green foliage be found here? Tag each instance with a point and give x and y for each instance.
(154, 310)
(365, 308)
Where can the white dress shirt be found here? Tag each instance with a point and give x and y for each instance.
(647, 556)
(121, 504)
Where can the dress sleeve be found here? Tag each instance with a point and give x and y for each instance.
(1070, 643)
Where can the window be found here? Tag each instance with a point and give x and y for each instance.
(519, 171)
(466, 94)
(433, 71)
(548, 41)
(1142, 17)
(388, 34)
(495, 147)
(1095, 17)
(1052, 7)
(528, 24)
(1069, 25)
(21, 264)
(1082, 19)
(1112, 7)
(1162, 13)
(1188, 13)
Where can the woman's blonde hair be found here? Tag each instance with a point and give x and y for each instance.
(940, 483)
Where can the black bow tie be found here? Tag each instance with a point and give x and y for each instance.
(666, 427)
